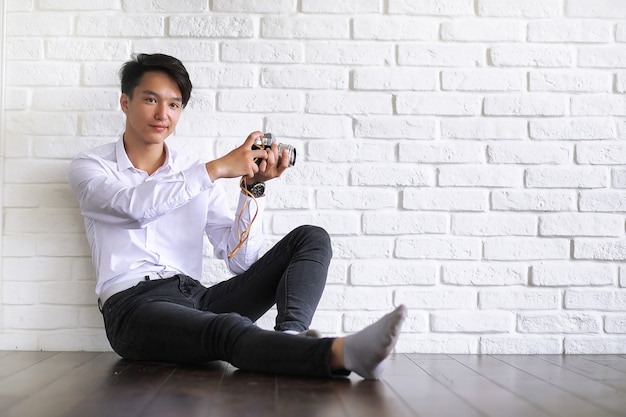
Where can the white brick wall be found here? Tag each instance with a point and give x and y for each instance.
(466, 155)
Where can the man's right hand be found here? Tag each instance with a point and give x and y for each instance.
(239, 162)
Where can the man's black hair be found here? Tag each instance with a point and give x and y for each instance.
(132, 71)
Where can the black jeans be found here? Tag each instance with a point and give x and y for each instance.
(179, 320)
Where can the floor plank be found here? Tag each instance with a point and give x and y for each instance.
(79, 384)
(606, 398)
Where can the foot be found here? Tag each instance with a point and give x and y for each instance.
(365, 352)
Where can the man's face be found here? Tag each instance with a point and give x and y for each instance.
(154, 110)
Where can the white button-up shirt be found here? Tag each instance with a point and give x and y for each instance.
(139, 224)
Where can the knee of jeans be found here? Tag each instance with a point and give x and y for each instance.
(318, 235)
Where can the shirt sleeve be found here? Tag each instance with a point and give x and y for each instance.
(224, 228)
(106, 197)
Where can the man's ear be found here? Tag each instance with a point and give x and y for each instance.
(124, 99)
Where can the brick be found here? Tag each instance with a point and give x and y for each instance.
(314, 174)
(483, 30)
(38, 195)
(396, 127)
(559, 323)
(484, 274)
(600, 249)
(17, 99)
(71, 5)
(437, 248)
(335, 222)
(566, 177)
(533, 200)
(309, 27)
(18, 245)
(350, 151)
(443, 343)
(20, 293)
(603, 201)
(209, 77)
(524, 55)
(243, 6)
(288, 197)
(103, 124)
(618, 178)
(346, 6)
(353, 298)
(580, 345)
(525, 105)
(442, 152)
(349, 103)
(38, 24)
(447, 199)
(304, 78)
(438, 104)
(437, 298)
(79, 340)
(586, 128)
(551, 274)
(493, 224)
(395, 28)
(211, 26)
(431, 7)
(598, 8)
(356, 198)
(483, 80)
(391, 273)
(350, 53)
(595, 299)
(119, 26)
(529, 153)
(102, 74)
(361, 247)
(598, 105)
(521, 8)
(479, 176)
(40, 317)
(75, 99)
(571, 80)
(394, 79)
(19, 341)
(525, 248)
(615, 323)
(192, 50)
(484, 128)
(441, 55)
(563, 31)
(24, 49)
(67, 293)
(519, 299)
(45, 74)
(277, 52)
(41, 220)
(308, 126)
(397, 175)
(196, 124)
(62, 245)
(170, 6)
(472, 321)
(579, 224)
(259, 101)
(601, 56)
(414, 322)
(88, 50)
(521, 345)
(41, 123)
(404, 223)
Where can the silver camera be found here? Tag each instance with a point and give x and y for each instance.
(265, 142)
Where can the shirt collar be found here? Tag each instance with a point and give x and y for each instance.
(124, 163)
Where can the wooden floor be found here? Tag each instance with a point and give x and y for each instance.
(83, 384)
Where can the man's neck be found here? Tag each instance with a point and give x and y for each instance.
(146, 157)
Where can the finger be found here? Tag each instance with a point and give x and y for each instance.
(252, 137)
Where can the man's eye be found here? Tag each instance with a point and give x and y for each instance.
(150, 100)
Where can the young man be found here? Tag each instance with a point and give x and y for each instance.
(146, 209)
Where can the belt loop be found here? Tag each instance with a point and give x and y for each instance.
(146, 278)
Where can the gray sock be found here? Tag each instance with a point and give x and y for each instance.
(365, 352)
